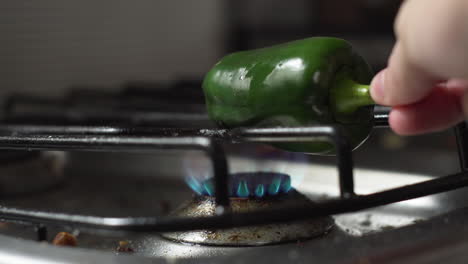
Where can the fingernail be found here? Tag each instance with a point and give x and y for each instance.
(377, 87)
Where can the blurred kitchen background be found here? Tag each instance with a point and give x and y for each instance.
(49, 46)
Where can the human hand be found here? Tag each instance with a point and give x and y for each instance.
(426, 80)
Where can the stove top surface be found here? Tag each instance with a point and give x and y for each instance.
(140, 185)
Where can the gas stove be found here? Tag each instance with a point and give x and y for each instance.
(137, 179)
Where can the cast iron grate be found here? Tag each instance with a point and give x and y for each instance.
(94, 138)
(30, 123)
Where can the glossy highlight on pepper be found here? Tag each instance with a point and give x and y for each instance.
(315, 81)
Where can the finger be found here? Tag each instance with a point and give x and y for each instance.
(440, 110)
(433, 36)
(401, 82)
(431, 46)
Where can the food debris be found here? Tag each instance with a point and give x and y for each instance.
(65, 239)
(124, 247)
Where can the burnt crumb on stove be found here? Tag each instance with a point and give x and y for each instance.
(235, 237)
(65, 239)
(255, 234)
(124, 246)
(213, 235)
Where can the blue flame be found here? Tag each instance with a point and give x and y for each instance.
(243, 189)
(208, 188)
(244, 185)
(260, 191)
(194, 185)
(266, 176)
(274, 187)
(286, 185)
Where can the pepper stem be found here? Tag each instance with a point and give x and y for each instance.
(347, 96)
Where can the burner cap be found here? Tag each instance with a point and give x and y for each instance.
(203, 206)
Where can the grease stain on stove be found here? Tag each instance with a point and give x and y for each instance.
(236, 237)
(212, 132)
(212, 235)
(387, 227)
(367, 221)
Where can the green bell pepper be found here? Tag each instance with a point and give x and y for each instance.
(314, 81)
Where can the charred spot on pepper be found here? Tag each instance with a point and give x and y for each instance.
(124, 247)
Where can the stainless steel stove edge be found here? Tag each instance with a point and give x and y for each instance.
(411, 244)
(15, 250)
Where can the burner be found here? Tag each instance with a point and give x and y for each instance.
(250, 192)
(246, 184)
